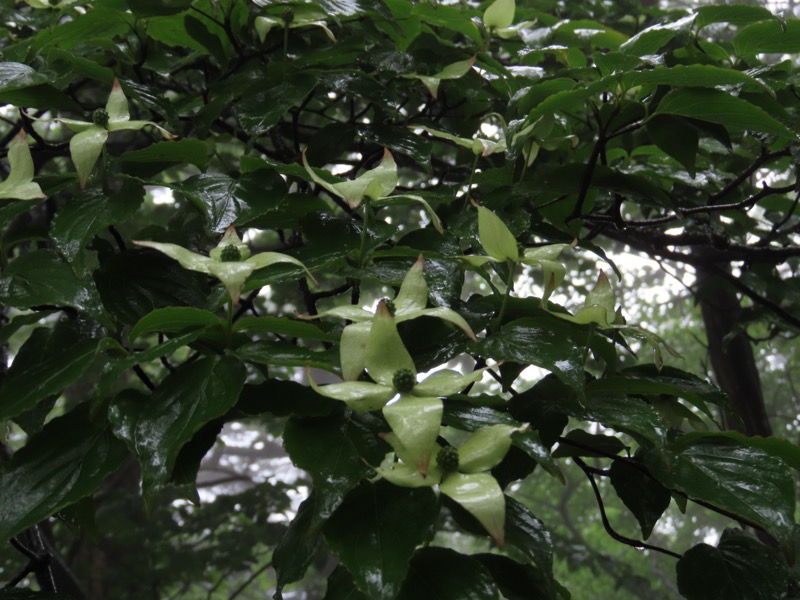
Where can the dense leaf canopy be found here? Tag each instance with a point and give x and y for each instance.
(352, 223)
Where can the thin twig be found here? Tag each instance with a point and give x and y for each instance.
(607, 525)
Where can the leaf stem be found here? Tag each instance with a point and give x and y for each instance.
(509, 286)
(362, 252)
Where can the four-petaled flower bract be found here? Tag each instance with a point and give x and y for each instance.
(460, 473)
(87, 144)
(19, 184)
(374, 185)
(410, 303)
(230, 261)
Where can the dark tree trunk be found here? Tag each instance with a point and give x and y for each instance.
(731, 355)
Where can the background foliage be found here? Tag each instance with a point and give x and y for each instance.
(515, 148)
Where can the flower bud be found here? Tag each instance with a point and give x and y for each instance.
(100, 117)
(404, 381)
(230, 253)
(447, 459)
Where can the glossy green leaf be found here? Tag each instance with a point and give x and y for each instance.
(544, 341)
(134, 283)
(331, 450)
(40, 278)
(581, 443)
(297, 547)
(715, 106)
(444, 574)
(259, 111)
(341, 586)
(624, 413)
(739, 568)
(769, 36)
(735, 14)
(471, 418)
(677, 138)
(788, 452)
(283, 326)
(375, 532)
(89, 213)
(521, 581)
(162, 155)
(157, 427)
(220, 198)
(651, 39)
(647, 380)
(741, 479)
(65, 462)
(174, 320)
(267, 352)
(49, 361)
(530, 443)
(645, 498)
(528, 534)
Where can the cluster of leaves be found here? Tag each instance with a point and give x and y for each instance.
(558, 122)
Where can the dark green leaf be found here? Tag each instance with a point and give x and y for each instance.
(284, 326)
(375, 531)
(157, 427)
(288, 355)
(739, 568)
(134, 283)
(677, 138)
(647, 380)
(298, 546)
(443, 574)
(772, 36)
(284, 398)
(735, 14)
(517, 581)
(259, 111)
(580, 443)
(529, 442)
(88, 214)
(174, 320)
(527, 534)
(49, 361)
(645, 498)
(40, 278)
(631, 415)
(467, 417)
(544, 341)
(733, 476)
(162, 155)
(331, 450)
(342, 587)
(201, 33)
(716, 106)
(65, 462)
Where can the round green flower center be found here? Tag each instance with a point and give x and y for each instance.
(447, 459)
(288, 16)
(230, 253)
(390, 306)
(100, 117)
(404, 381)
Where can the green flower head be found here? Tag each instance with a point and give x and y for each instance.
(85, 147)
(230, 261)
